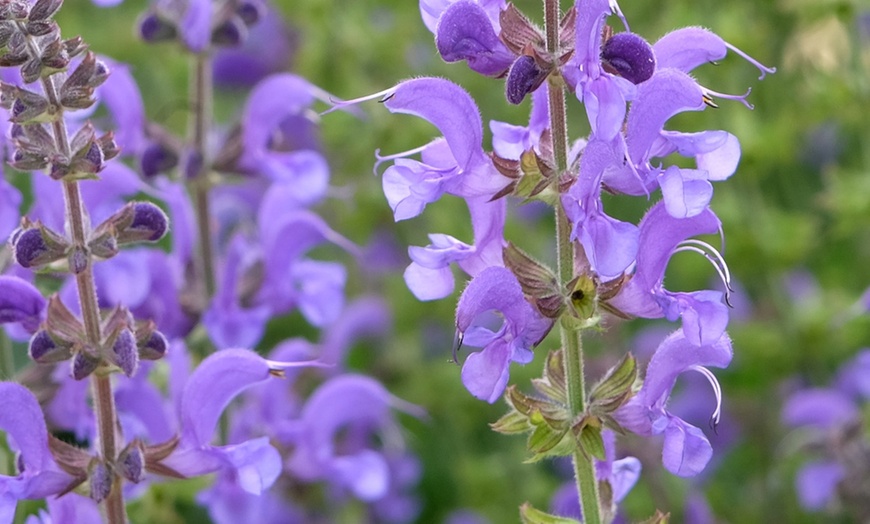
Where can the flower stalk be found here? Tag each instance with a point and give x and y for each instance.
(201, 93)
(101, 385)
(572, 344)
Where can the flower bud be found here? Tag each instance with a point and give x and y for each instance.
(37, 245)
(44, 9)
(149, 223)
(131, 462)
(153, 28)
(250, 12)
(524, 77)
(156, 159)
(101, 478)
(230, 33)
(45, 349)
(629, 56)
(125, 354)
(83, 365)
(154, 347)
(78, 261)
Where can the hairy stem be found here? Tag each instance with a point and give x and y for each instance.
(199, 185)
(572, 344)
(101, 386)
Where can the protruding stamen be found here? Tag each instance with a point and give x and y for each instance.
(717, 390)
(457, 345)
(341, 104)
(709, 94)
(380, 159)
(714, 257)
(614, 8)
(761, 67)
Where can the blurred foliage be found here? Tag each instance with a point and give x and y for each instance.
(797, 208)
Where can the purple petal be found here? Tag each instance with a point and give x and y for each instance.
(604, 99)
(686, 192)
(366, 473)
(429, 284)
(209, 390)
(464, 32)
(820, 408)
(626, 472)
(449, 108)
(305, 171)
(121, 96)
(321, 290)
(485, 373)
(20, 302)
(687, 48)
(366, 317)
(854, 377)
(667, 93)
(22, 419)
(686, 450)
(196, 24)
(10, 202)
(268, 49)
(704, 315)
(675, 355)
(816, 483)
(410, 185)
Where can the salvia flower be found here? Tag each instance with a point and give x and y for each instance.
(39, 475)
(495, 289)
(469, 30)
(686, 449)
(21, 303)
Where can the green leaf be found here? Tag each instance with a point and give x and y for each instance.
(512, 423)
(530, 515)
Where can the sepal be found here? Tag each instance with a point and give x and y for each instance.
(36, 245)
(530, 515)
(538, 282)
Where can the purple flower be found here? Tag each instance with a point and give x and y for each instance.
(39, 475)
(253, 464)
(687, 48)
(467, 30)
(333, 435)
(510, 141)
(21, 303)
(686, 449)
(495, 289)
(268, 49)
(703, 314)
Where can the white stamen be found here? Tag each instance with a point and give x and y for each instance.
(714, 257)
(341, 104)
(761, 67)
(708, 93)
(386, 158)
(717, 390)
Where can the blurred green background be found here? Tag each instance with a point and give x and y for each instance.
(797, 207)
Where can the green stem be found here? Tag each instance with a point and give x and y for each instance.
(201, 93)
(7, 360)
(572, 344)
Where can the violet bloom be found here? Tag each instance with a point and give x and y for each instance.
(469, 30)
(496, 289)
(268, 49)
(253, 464)
(39, 475)
(686, 450)
(21, 303)
(333, 434)
(704, 315)
(824, 412)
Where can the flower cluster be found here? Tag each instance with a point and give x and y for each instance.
(630, 90)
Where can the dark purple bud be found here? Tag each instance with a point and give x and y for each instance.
(101, 482)
(250, 12)
(125, 353)
(230, 33)
(30, 72)
(157, 159)
(465, 33)
(30, 248)
(153, 28)
(94, 155)
(44, 9)
(629, 56)
(45, 349)
(154, 348)
(100, 74)
(28, 160)
(131, 463)
(58, 170)
(83, 365)
(6, 30)
(150, 219)
(524, 77)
